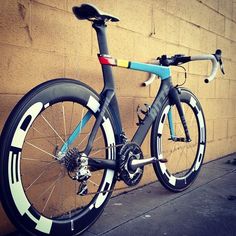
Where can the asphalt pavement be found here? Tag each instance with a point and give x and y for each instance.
(208, 207)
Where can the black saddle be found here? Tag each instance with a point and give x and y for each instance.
(90, 12)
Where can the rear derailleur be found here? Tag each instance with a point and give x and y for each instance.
(77, 167)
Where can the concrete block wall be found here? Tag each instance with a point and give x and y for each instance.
(41, 40)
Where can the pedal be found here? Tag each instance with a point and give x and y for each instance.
(83, 189)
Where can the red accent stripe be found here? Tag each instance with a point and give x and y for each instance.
(107, 61)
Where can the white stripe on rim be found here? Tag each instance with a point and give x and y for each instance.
(93, 104)
(109, 173)
(43, 224)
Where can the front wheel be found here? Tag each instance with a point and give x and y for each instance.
(184, 159)
(38, 190)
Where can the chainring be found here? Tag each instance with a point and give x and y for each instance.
(130, 151)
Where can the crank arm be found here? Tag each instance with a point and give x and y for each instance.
(134, 164)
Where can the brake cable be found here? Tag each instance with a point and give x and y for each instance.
(185, 76)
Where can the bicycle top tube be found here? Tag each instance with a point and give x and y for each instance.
(162, 71)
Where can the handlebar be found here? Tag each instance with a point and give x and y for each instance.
(179, 59)
(214, 62)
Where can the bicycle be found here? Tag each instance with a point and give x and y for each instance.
(63, 146)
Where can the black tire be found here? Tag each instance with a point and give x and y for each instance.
(48, 205)
(184, 158)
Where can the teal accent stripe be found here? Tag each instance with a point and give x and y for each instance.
(77, 131)
(171, 126)
(162, 71)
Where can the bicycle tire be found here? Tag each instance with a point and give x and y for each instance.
(184, 159)
(14, 184)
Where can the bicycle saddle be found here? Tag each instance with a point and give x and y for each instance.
(90, 12)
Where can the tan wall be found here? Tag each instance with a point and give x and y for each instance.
(41, 40)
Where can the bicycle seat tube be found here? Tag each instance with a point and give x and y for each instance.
(108, 93)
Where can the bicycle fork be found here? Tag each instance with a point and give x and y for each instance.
(175, 100)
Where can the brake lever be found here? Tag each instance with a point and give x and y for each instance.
(218, 58)
(222, 66)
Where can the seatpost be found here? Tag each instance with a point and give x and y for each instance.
(100, 28)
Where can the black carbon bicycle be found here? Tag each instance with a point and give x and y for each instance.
(63, 147)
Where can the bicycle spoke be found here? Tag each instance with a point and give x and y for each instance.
(63, 194)
(95, 142)
(71, 117)
(49, 198)
(177, 163)
(172, 150)
(80, 128)
(192, 150)
(31, 159)
(191, 120)
(52, 128)
(42, 135)
(41, 174)
(35, 180)
(86, 137)
(50, 186)
(40, 149)
(50, 163)
(83, 139)
(64, 119)
(93, 183)
(92, 154)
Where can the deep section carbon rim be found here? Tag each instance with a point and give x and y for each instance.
(39, 193)
(184, 158)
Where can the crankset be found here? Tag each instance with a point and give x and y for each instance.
(129, 173)
(132, 163)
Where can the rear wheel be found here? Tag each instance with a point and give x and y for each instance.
(38, 190)
(184, 159)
